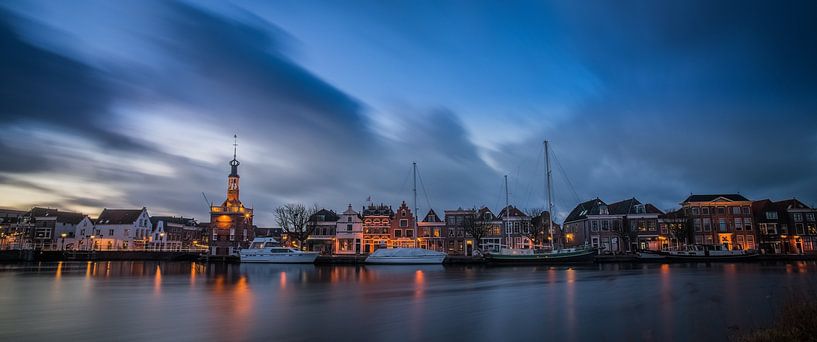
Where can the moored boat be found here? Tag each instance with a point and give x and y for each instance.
(529, 256)
(710, 253)
(647, 255)
(268, 250)
(405, 256)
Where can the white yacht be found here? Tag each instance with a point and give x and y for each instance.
(268, 250)
(405, 256)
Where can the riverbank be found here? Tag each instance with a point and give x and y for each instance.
(32, 255)
(796, 321)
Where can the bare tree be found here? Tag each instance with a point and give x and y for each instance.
(626, 234)
(477, 227)
(293, 219)
(538, 231)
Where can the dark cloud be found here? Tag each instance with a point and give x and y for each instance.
(687, 97)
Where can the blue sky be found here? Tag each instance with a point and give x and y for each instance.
(128, 104)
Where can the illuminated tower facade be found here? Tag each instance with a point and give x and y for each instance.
(231, 222)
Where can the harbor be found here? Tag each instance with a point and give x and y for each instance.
(188, 301)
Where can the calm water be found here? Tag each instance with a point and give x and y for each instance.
(178, 301)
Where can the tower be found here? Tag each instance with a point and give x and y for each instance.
(233, 178)
(231, 223)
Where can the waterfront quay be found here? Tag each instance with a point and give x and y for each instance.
(188, 301)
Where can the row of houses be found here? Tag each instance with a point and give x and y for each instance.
(732, 220)
(380, 226)
(113, 229)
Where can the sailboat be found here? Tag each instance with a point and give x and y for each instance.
(404, 255)
(557, 254)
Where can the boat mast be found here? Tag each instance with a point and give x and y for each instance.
(549, 196)
(416, 233)
(507, 212)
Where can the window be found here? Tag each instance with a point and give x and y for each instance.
(771, 215)
(398, 233)
(651, 225)
(798, 217)
(799, 228)
(127, 232)
(348, 219)
(403, 223)
(746, 211)
(747, 223)
(403, 212)
(664, 229)
(705, 210)
(110, 232)
(699, 239)
(810, 217)
(750, 242)
(709, 239)
(605, 225)
(784, 229)
(707, 224)
(594, 226)
(721, 210)
(722, 224)
(812, 229)
(738, 223)
(771, 228)
(697, 225)
(603, 210)
(409, 233)
(348, 227)
(82, 232)
(695, 211)
(735, 210)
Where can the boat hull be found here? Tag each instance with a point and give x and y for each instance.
(426, 260)
(711, 258)
(585, 256)
(305, 258)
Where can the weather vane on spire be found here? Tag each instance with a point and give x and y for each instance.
(235, 145)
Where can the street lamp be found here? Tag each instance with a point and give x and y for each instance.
(63, 235)
(92, 242)
(162, 236)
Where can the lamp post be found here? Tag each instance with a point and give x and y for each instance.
(162, 236)
(92, 242)
(63, 235)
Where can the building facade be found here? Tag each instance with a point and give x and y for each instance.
(724, 219)
(431, 232)
(458, 241)
(402, 228)
(592, 223)
(639, 229)
(349, 233)
(322, 224)
(376, 227)
(785, 227)
(120, 229)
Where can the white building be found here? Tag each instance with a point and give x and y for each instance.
(349, 233)
(122, 229)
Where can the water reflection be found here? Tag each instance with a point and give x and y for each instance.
(192, 301)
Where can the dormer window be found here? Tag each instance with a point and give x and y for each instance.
(603, 210)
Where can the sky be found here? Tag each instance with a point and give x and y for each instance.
(135, 103)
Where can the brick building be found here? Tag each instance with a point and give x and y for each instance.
(724, 219)
(376, 227)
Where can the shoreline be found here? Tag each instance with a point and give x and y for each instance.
(12, 256)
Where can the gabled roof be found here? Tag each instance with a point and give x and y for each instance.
(350, 211)
(173, 219)
(328, 216)
(514, 212)
(42, 212)
(630, 206)
(583, 209)
(119, 216)
(674, 214)
(69, 217)
(432, 217)
(484, 210)
(711, 198)
(792, 203)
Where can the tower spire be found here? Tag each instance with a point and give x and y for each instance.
(235, 145)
